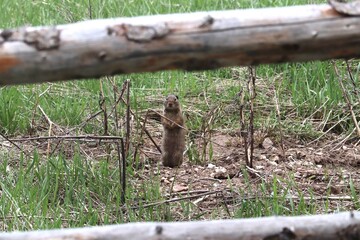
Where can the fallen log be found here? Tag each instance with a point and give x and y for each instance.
(193, 41)
(344, 226)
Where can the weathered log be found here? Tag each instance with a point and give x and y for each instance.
(318, 227)
(194, 41)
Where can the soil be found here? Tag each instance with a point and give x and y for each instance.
(321, 170)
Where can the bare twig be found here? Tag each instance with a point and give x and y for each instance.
(90, 9)
(67, 137)
(207, 121)
(188, 192)
(204, 128)
(127, 139)
(225, 205)
(123, 157)
(161, 115)
(355, 90)
(85, 122)
(122, 168)
(116, 119)
(50, 122)
(176, 199)
(152, 140)
(102, 105)
(243, 132)
(173, 182)
(141, 134)
(120, 172)
(54, 149)
(146, 153)
(120, 98)
(13, 143)
(343, 140)
(278, 114)
(49, 132)
(347, 99)
(36, 105)
(328, 130)
(252, 95)
(146, 131)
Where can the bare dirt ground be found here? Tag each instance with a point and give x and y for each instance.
(321, 170)
(222, 183)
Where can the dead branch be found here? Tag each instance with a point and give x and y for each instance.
(191, 41)
(278, 117)
(344, 226)
(176, 199)
(122, 169)
(127, 130)
(347, 99)
(13, 143)
(250, 132)
(102, 105)
(141, 135)
(67, 137)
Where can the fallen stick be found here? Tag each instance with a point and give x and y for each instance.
(191, 41)
(343, 226)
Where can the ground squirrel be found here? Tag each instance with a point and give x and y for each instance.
(173, 141)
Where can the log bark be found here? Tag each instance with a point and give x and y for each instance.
(341, 226)
(194, 41)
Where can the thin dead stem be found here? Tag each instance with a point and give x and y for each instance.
(252, 96)
(122, 168)
(355, 89)
(141, 135)
(67, 137)
(102, 105)
(278, 116)
(176, 199)
(347, 99)
(13, 143)
(116, 118)
(127, 136)
(90, 9)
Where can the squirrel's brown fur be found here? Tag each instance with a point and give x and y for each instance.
(173, 141)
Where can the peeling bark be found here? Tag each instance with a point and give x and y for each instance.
(341, 226)
(193, 41)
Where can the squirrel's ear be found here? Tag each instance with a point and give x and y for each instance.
(177, 97)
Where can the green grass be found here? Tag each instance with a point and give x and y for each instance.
(60, 193)
(41, 192)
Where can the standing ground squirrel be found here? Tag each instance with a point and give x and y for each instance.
(173, 141)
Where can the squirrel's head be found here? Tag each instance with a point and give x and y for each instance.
(171, 103)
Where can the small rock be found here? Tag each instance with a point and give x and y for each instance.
(220, 170)
(164, 180)
(274, 158)
(267, 143)
(180, 188)
(263, 157)
(211, 166)
(220, 175)
(272, 163)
